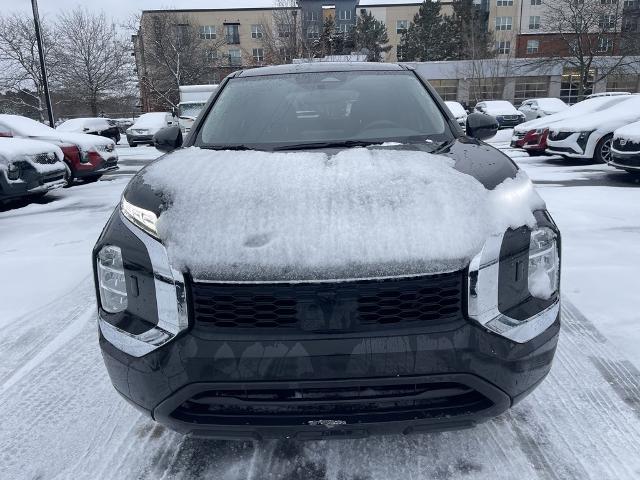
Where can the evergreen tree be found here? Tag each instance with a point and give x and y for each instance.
(469, 25)
(370, 36)
(430, 35)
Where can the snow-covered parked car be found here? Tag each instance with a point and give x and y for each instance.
(625, 151)
(300, 271)
(503, 111)
(532, 136)
(29, 168)
(458, 112)
(105, 127)
(541, 107)
(87, 157)
(589, 136)
(145, 127)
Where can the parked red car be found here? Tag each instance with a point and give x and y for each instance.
(87, 157)
(533, 141)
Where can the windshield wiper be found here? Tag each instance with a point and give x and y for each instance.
(235, 146)
(339, 144)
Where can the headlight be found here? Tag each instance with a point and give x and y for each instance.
(111, 279)
(544, 264)
(140, 217)
(13, 171)
(583, 138)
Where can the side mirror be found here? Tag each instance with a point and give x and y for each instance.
(481, 126)
(534, 107)
(168, 139)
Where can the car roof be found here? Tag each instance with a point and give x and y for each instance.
(313, 67)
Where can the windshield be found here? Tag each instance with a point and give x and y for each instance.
(323, 108)
(191, 109)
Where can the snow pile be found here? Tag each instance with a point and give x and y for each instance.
(630, 132)
(300, 216)
(609, 119)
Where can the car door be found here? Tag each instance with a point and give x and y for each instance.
(527, 110)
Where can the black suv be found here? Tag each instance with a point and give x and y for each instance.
(229, 309)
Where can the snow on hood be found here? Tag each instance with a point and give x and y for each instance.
(551, 105)
(361, 213)
(609, 119)
(500, 107)
(629, 132)
(18, 149)
(79, 124)
(457, 109)
(584, 107)
(151, 120)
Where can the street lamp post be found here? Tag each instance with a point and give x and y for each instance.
(43, 66)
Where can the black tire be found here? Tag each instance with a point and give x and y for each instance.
(92, 178)
(603, 149)
(69, 175)
(133, 145)
(536, 153)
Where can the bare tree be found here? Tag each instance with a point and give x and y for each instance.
(96, 58)
(174, 51)
(580, 33)
(20, 64)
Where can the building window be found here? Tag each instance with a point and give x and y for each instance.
(313, 31)
(570, 85)
(630, 24)
(605, 44)
(312, 16)
(536, 2)
(503, 47)
(343, 28)
(534, 22)
(344, 14)
(401, 26)
(212, 55)
(533, 46)
(530, 87)
(284, 30)
(607, 22)
(505, 3)
(504, 23)
(622, 83)
(486, 89)
(208, 32)
(232, 34)
(447, 89)
(235, 57)
(256, 31)
(258, 55)
(285, 54)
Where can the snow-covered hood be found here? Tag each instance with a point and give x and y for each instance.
(501, 108)
(606, 120)
(629, 132)
(12, 149)
(360, 213)
(83, 140)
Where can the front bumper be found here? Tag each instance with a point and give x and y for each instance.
(629, 161)
(31, 183)
(139, 139)
(509, 123)
(223, 384)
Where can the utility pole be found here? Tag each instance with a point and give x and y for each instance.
(43, 66)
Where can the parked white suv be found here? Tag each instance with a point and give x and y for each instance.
(542, 107)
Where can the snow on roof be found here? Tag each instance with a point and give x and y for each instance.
(24, 126)
(622, 111)
(152, 119)
(630, 132)
(78, 124)
(361, 213)
(551, 104)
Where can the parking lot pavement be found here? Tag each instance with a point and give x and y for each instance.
(61, 418)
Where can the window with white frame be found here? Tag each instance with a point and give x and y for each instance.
(401, 26)
(533, 46)
(503, 47)
(534, 22)
(256, 31)
(284, 30)
(605, 45)
(312, 16)
(313, 31)
(504, 3)
(536, 2)
(208, 32)
(504, 23)
(235, 57)
(607, 21)
(212, 55)
(344, 15)
(258, 55)
(343, 28)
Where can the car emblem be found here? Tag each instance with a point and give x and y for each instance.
(326, 423)
(50, 156)
(110, 148)
(623, 141)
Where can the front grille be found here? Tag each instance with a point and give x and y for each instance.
(628, 146)
(509, 117)
(330, 307)
(370, 401)
(45, 158)
(519, 135)
(558, 136)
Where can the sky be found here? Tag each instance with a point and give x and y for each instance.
(123, 9)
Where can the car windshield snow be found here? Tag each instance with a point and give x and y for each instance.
(313, 110)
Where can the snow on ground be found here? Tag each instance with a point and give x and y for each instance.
(61, 419)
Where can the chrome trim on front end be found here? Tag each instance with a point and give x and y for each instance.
(171, 302)
(484, 271)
